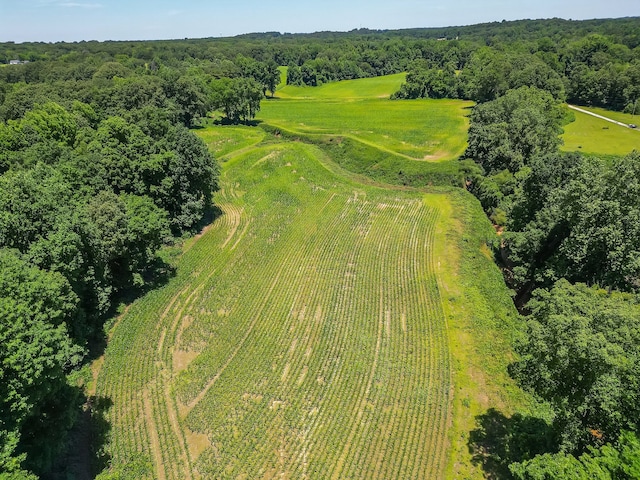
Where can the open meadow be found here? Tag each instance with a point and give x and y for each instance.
(425, 129)
(374, 87)
(325, 325)
(595, 136)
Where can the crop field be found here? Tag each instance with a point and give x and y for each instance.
(424, 129)
(591, 135)
(302, 344)
(322, 327)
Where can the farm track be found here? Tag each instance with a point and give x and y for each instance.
(291, 344)
(601, 117)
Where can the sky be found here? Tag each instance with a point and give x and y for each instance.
(76, 20)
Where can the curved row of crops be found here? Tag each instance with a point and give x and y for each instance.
(303, 336)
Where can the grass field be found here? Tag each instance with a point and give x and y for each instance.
(591, 135)
(324, 326)
(360, 109)
(377, 87)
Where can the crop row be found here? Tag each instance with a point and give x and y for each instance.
(136, 370)
(348, 307)
(303, 336)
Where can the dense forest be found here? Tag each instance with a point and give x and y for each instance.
(99, 170)
(587, 62)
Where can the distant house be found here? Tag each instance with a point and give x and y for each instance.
(18, 62)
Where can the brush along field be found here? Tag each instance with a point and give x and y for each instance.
(322, 327)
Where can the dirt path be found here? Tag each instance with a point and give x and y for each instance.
(573, 107)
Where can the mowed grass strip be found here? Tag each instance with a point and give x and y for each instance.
(592, 135)
(617, 116)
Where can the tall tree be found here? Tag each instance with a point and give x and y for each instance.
(581, 354)
(238, 98)
(505, 134)
(36, 403)
(577, 218)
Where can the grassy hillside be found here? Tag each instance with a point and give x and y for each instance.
(429, 130)
(591, 135)
(411, 143)
(326, 325)
(376, 87)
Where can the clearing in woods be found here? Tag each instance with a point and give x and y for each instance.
(423, 129)
(595, 136)
(321, 328)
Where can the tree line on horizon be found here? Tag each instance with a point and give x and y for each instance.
(593, 62)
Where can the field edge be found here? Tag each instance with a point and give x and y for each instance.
(481, 321)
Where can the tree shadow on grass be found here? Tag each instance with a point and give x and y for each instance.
(211, 214)
(499, 441)
(227, 121)
(100, 429)
(156, 274)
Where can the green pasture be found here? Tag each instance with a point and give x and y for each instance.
(376, 87)
(427, 130)
(591, 135)
(283, 78)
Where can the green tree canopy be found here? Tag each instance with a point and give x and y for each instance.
(581, 354)
(577, 218)
(617, 461)
(505, 134)
(36, 354)
(238, 98)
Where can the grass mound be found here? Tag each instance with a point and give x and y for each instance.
(406, 142)
(379, 165)
(421, 130)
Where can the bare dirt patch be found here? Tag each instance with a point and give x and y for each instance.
(182, 359)
(197, 443)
